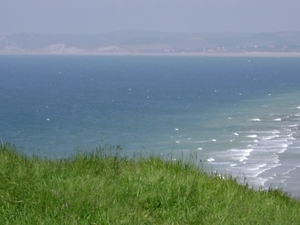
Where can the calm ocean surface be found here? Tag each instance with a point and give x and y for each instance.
(241, 115)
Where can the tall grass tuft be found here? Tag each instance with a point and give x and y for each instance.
(105, 187)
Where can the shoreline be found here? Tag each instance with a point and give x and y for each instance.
(196, 54)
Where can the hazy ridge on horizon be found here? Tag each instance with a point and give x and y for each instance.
(143, 42)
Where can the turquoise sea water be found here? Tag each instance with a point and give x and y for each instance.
(241, 115)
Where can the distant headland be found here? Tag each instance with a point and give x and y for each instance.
(131, 42)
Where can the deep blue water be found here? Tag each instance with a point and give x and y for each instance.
(240, 114)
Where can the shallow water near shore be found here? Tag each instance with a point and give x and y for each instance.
(241, 115)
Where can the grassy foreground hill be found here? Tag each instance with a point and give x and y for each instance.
(103, 187)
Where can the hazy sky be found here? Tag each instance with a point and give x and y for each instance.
(99, 16)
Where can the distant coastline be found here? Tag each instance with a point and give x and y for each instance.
(199, 54)
(138, 43)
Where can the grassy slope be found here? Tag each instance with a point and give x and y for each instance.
(97, 188)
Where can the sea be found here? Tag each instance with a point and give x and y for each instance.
(239, 116)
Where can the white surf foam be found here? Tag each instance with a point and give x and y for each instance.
(252, 136)
(270, 137)
(211, 140)
(255, 120)
(239, 154)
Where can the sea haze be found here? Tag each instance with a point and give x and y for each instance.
(241, 115)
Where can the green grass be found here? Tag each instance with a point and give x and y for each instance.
(106, 188)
